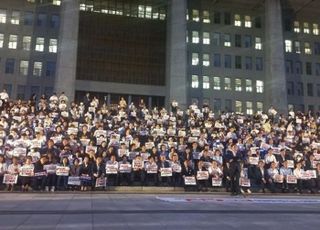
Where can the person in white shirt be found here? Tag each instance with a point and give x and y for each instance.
(269, 158)
(297, 173)
(3, 168)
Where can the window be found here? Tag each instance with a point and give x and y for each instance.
(237, 39)
(205, 60)
(238, 107)
(258, 45)
(28, 18)
(53, 45)
(195, 37)
(318, 90)
(227, 61)
(195, 81)
(248, 85)
(297, 47)
(307, 48)
(24, 67)
(3, 16)
(1, 40)
(217, 17)
(237, 85)
(216, 39)
(21, 90)
(216, 60)
(289, 66)
(56, 2)
(296, 27)
(51, 69)
(247, 41)
(259, 64)
(26, 43)
(238, 62)
(306, 29)
(37, 69)
(216, 83)
(310, 90)
(259, 86)
(55, 21)
(39, 44)
(298, 67)
(206, 82)
(318, 69)
(206, 38)
(195, 15)
(259, 107)
(247, 21)
(41, 20)
(13, 40)
(300, 91)
(249, 108)
(288, 46)
(315, 29)
(227, 83)
(308, 68)
(8, 88)
(237, 20)
(15, 18)
(257, 22)
(148, 11)
(290, 88)
(217, 105)
(317, 48)
(227, 40)
(141, 11)
(228, 105)
(195, 59)
(206, 16)
(248, 61)
(227, 18)
(10, 66)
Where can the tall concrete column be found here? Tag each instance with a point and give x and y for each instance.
(275, 84)
(67, 49)
(176, 63)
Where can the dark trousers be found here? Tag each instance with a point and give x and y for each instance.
(62, 182)
(40, 182)
(234, 181)
(137, 176)
(151, 179)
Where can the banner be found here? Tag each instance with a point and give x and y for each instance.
(216, 182)
(43, 173)
(26, 171)
(51, 168)
(145, 156)
(244, 182)
(202, 175)
(291, 179)
(85, 178)
(91, 148)
(111, 169)
(190, 180)
(253, 160)
(149, 145)
(10, 179)
(152, 169)
(74, 180)
(278, 178)
(165, 172)
(132, 155)
(101, 182)
(137, 164)
(62, 171)
(196, 155)
(312, 174)
(290, 164)
(125, 168)
(176, 168)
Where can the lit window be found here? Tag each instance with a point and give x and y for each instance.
(39, 44)
(141, 11)
(56, 2)
(148, 11)
(259, 106)
(26, 43)
(3, 16)
(195, 81)
(247, 21)
(206, 38)
(216, 83)
(306, 29)
(258, 44)
(237, 20)
(227, 83)
(297, 47)
(296, 28)
(205, 60)
(187, 15)
(195, 37)
(227, 40)
(162, 14)
(249, 108)
(238, 107)
(248, 85)
(13, 40)
(259, 86)
(206, 16)
(206, 82)
(315, 29)
(307, 48)
(238, 86)
(195, 59)
(37, 69)
(24, 66)
(195, 15)
(15, 17)
(1, 40)
(53, 45)
(82, 7)
(288, 46)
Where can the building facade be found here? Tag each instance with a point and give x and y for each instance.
(235, 55)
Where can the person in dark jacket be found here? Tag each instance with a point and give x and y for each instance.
(40, 174)
(85, 174)
(234, 158)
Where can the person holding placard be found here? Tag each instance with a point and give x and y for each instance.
(125, 171)
(202, 177)
(40, 173)
(259, 175)
(163, 163)
(151, 171)
(62, 180)
(13, 169)
(215, 173)
(176, 170)
(137, 174)
(112, 167)
(26, 174)
(285, 171)
(85, 174)
(3, 169)
(98, 171)
(51, 172)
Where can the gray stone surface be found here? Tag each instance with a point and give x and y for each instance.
(162, 211)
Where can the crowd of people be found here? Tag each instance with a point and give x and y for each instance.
(50, 144)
